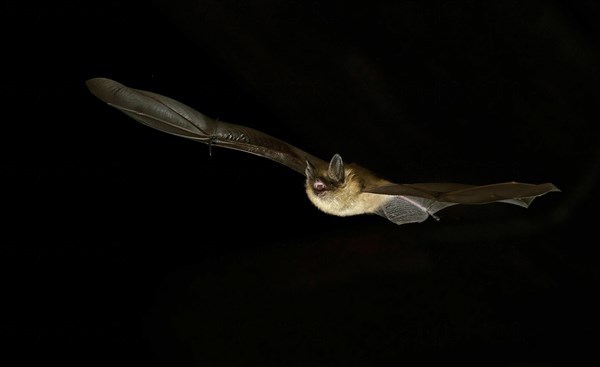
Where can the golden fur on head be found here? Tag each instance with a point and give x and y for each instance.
(347, 198)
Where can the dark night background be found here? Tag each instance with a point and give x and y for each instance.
(125, 246)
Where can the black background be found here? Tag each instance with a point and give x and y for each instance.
(124, 245)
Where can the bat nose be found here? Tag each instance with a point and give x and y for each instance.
(319, 185)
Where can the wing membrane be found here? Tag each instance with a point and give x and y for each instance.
(173, 117)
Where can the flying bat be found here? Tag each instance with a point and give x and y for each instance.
(334, 187)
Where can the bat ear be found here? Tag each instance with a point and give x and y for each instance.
(336, 169)
(310, 170)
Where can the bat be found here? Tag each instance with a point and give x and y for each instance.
(334, 187)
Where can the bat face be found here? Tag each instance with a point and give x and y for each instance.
(323, 184)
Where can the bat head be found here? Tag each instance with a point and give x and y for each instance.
(324, 182)
(335, 189)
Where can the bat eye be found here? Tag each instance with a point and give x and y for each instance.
(319, 185)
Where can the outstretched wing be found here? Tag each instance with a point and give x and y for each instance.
(416, 202)
(165, 114)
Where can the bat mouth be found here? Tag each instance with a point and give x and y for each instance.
(319, 187)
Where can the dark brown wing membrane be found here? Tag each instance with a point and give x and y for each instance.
(165, 114)
(517, 193)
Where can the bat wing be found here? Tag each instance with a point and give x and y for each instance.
(173, 117)
(410, 203)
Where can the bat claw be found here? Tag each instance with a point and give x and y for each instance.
(210, 144)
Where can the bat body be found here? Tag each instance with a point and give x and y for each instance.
(344, 196)
(334, 187)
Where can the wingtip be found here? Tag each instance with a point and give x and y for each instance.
(104, 88)
(96, 83)
(552, 188)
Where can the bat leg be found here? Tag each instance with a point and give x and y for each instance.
(410, 209)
